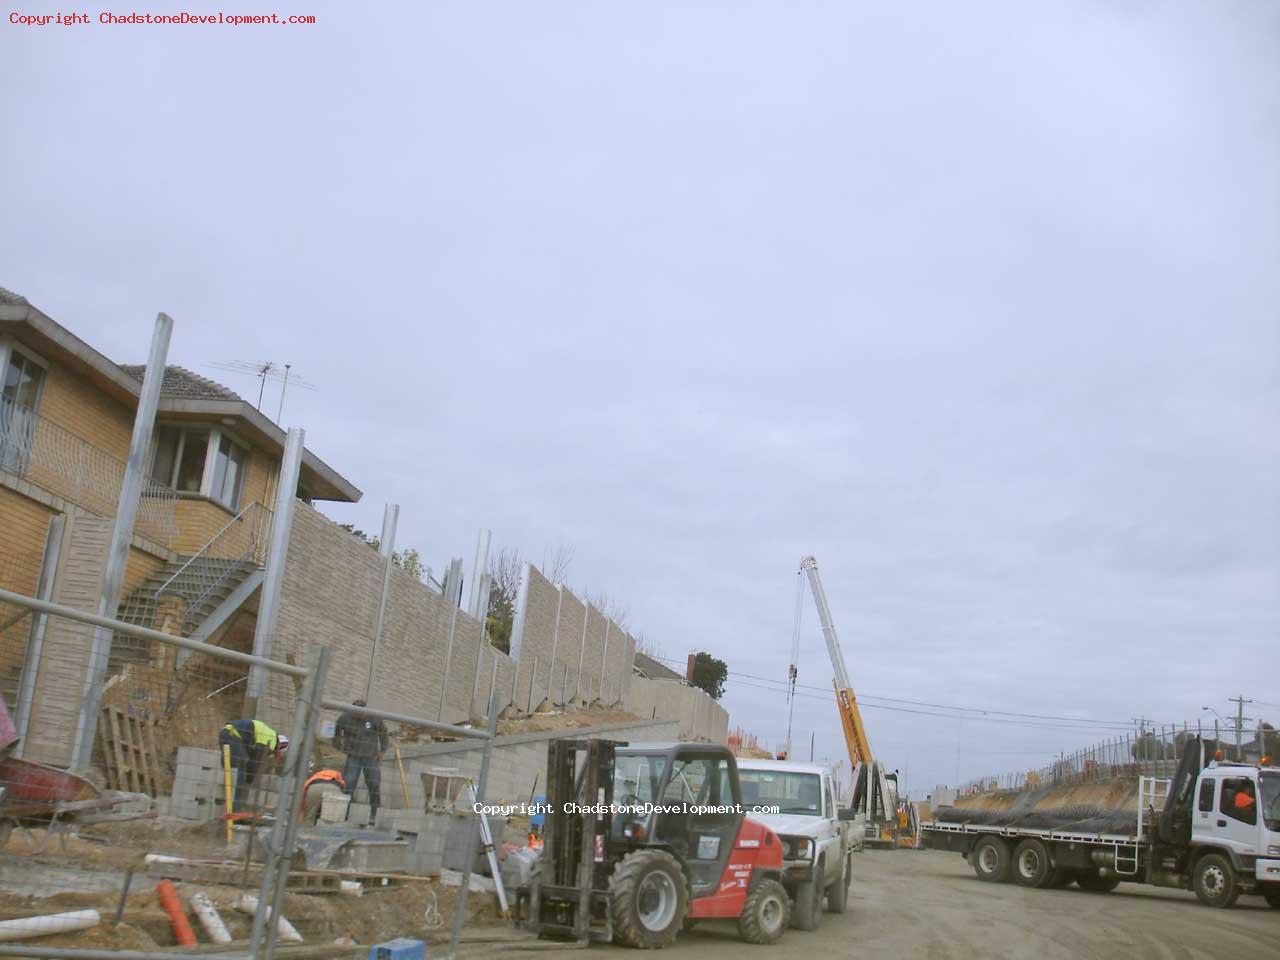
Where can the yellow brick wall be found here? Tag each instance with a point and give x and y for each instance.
(24, 524)
(75, 405)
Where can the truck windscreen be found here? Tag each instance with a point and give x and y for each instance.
(781, 792)
(1270, 783)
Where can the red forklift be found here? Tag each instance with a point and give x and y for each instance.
(644, 840)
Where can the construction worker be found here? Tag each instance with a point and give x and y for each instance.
(364, 741)
(318, 786)
(251, 742)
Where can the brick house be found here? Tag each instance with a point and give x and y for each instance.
(66, 417)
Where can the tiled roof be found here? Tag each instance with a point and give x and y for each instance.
(8, 296)
(181, 384)
(653, 669)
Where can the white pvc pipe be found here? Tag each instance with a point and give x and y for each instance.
(248, 903)
(207, 914)
(27, 927)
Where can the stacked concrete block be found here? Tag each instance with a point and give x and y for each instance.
(199, 785)
(568, 644)
(536, 623)
(372, 856)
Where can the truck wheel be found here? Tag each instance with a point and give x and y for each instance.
(764, 915)
(990, 859)
(1062, 877)
(838, 892)
(1094, 882)
(1031, 864)
(806, 912)
(1215, 881)
(648, 897)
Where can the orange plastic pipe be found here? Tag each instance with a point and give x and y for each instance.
(182, 931)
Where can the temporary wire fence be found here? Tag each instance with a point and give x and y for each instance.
(168, 826)
(1151, 752)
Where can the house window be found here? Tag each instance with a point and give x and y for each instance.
(19, 397)
(228, 473)
(200, 461)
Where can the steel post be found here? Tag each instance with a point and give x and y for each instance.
(277, 556)
(135, 475)
(473, 835)
(387, 547)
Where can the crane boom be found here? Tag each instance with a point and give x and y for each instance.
(855, 734)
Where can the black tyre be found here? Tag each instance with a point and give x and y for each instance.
(1214, 881)
(806, 912)
(838, 892)
(1062, 877)
(1271, 894)
(1031, 864)
(648, 899)
(990, 860)
(1094, 882)
(764, 915)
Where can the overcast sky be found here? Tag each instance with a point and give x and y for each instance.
(976, 302)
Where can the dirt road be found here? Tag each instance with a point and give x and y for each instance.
(926, 904)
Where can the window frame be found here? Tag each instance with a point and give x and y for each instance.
(208, 469)
(8, 347)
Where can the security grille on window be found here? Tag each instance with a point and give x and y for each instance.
(19, 395)
(200, 461)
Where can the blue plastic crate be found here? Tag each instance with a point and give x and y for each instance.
(401, 948)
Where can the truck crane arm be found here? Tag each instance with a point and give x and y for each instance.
(855, 734)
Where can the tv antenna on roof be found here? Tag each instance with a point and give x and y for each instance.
(265, 370)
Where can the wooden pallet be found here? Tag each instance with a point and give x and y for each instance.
(129, 748)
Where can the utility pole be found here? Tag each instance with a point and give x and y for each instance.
(1240, 701)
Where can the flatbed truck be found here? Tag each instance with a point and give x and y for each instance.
(1190, 832)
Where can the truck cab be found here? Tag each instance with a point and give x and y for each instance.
(1235, 817)
(798, 801)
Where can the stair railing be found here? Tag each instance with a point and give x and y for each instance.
(243, 540)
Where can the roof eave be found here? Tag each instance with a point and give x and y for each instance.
(321, 480)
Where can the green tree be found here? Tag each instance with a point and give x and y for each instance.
(709, 674)
(410, 560)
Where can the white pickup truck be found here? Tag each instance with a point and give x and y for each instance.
(817, 840)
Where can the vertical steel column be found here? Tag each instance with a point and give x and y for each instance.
(604, 659)
(485, 583)
(35, 638)
(284, 835)
(135, 476)
(582, 652)
(479, 569)
(555, 642)
(278, 553)
(387, 547)
(452, 592)
(473, 834)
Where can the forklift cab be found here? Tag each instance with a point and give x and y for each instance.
(682, 797)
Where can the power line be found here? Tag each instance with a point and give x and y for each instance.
(1094, 727)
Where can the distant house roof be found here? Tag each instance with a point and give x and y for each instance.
(180, 383)
(651, 668)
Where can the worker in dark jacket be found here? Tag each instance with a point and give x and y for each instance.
(363, 740)
(252, 743)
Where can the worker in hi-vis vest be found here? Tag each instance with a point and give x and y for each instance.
(252, 743)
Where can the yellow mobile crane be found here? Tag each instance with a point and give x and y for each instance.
(875, 792)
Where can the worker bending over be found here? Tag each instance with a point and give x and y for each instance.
(251, 742)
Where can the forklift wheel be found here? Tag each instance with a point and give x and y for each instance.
(764, 915)
(648, 898)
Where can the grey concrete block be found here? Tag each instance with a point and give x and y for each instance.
(372, 856)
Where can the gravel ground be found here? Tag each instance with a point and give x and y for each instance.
(928, 904)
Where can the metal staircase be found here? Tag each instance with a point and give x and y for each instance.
(209, 586)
